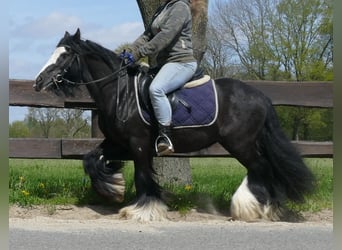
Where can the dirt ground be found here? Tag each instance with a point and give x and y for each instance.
(100, 213)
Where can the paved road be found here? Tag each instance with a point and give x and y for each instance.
(108, 234)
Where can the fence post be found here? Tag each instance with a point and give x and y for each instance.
(95, 130)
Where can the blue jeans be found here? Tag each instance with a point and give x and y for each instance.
(170, 77)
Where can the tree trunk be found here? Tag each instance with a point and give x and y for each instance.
(172, 171)
(147, 9)
(199, 10)
(177, 170)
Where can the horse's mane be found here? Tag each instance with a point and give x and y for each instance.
(90, 47)
(107, 55)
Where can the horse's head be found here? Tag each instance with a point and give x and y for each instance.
(62, 65)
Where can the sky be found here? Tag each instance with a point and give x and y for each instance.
(36, 26)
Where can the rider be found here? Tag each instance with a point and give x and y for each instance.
(168, 39)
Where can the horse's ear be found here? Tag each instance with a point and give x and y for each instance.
(77, 35)
(66, 34)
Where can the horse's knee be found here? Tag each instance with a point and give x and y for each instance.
(247, 206)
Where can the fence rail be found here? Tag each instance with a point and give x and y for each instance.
(36, 148)
(305, 94)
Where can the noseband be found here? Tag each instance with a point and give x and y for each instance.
(59, 77)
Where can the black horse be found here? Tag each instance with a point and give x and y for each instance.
(247, 126)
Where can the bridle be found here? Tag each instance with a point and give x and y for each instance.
(59, 77)
(120, 74)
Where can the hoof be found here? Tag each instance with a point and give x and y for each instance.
(147, 211)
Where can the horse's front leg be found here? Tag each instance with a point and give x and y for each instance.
(148, 205)
(105, 172)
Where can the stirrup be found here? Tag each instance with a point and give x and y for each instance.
(168, 147)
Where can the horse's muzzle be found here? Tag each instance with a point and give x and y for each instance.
(37, 85)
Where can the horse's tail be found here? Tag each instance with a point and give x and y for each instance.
(106, 177)
(275, 175)
(290, 174)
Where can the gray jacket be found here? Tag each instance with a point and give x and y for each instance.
(169, 37)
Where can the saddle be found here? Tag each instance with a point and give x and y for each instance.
(193, 105)
(145, 77)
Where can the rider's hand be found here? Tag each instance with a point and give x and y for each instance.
(128, 57)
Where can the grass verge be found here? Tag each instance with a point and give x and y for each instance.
(214, 180)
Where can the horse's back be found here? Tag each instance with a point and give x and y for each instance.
(242, 112)
(235, 92)
(237, 86)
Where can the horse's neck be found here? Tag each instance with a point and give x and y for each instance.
(113, 96)
(103, 95)
(102, 90)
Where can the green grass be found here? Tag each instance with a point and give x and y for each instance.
(214, 180)
(322, 197)
(46, 182)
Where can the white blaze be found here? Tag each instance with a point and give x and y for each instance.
(53, 59)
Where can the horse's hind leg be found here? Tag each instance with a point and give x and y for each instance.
(276, 173)
(256, 198)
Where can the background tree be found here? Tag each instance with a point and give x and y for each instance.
(304, 40)
(277, 39)
(75, 124)
(41, 120)
(199, 10)
(216, 60)
(53, 122)
(244, 28)
(303, 29)
(18, 129)
(274, 40)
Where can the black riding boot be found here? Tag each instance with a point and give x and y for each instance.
(163, 143)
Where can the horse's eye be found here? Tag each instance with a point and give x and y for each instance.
(63, 56)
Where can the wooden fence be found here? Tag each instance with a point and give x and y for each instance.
(21, 93)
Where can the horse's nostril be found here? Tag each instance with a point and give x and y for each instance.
(36, 84)
(36, 87)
